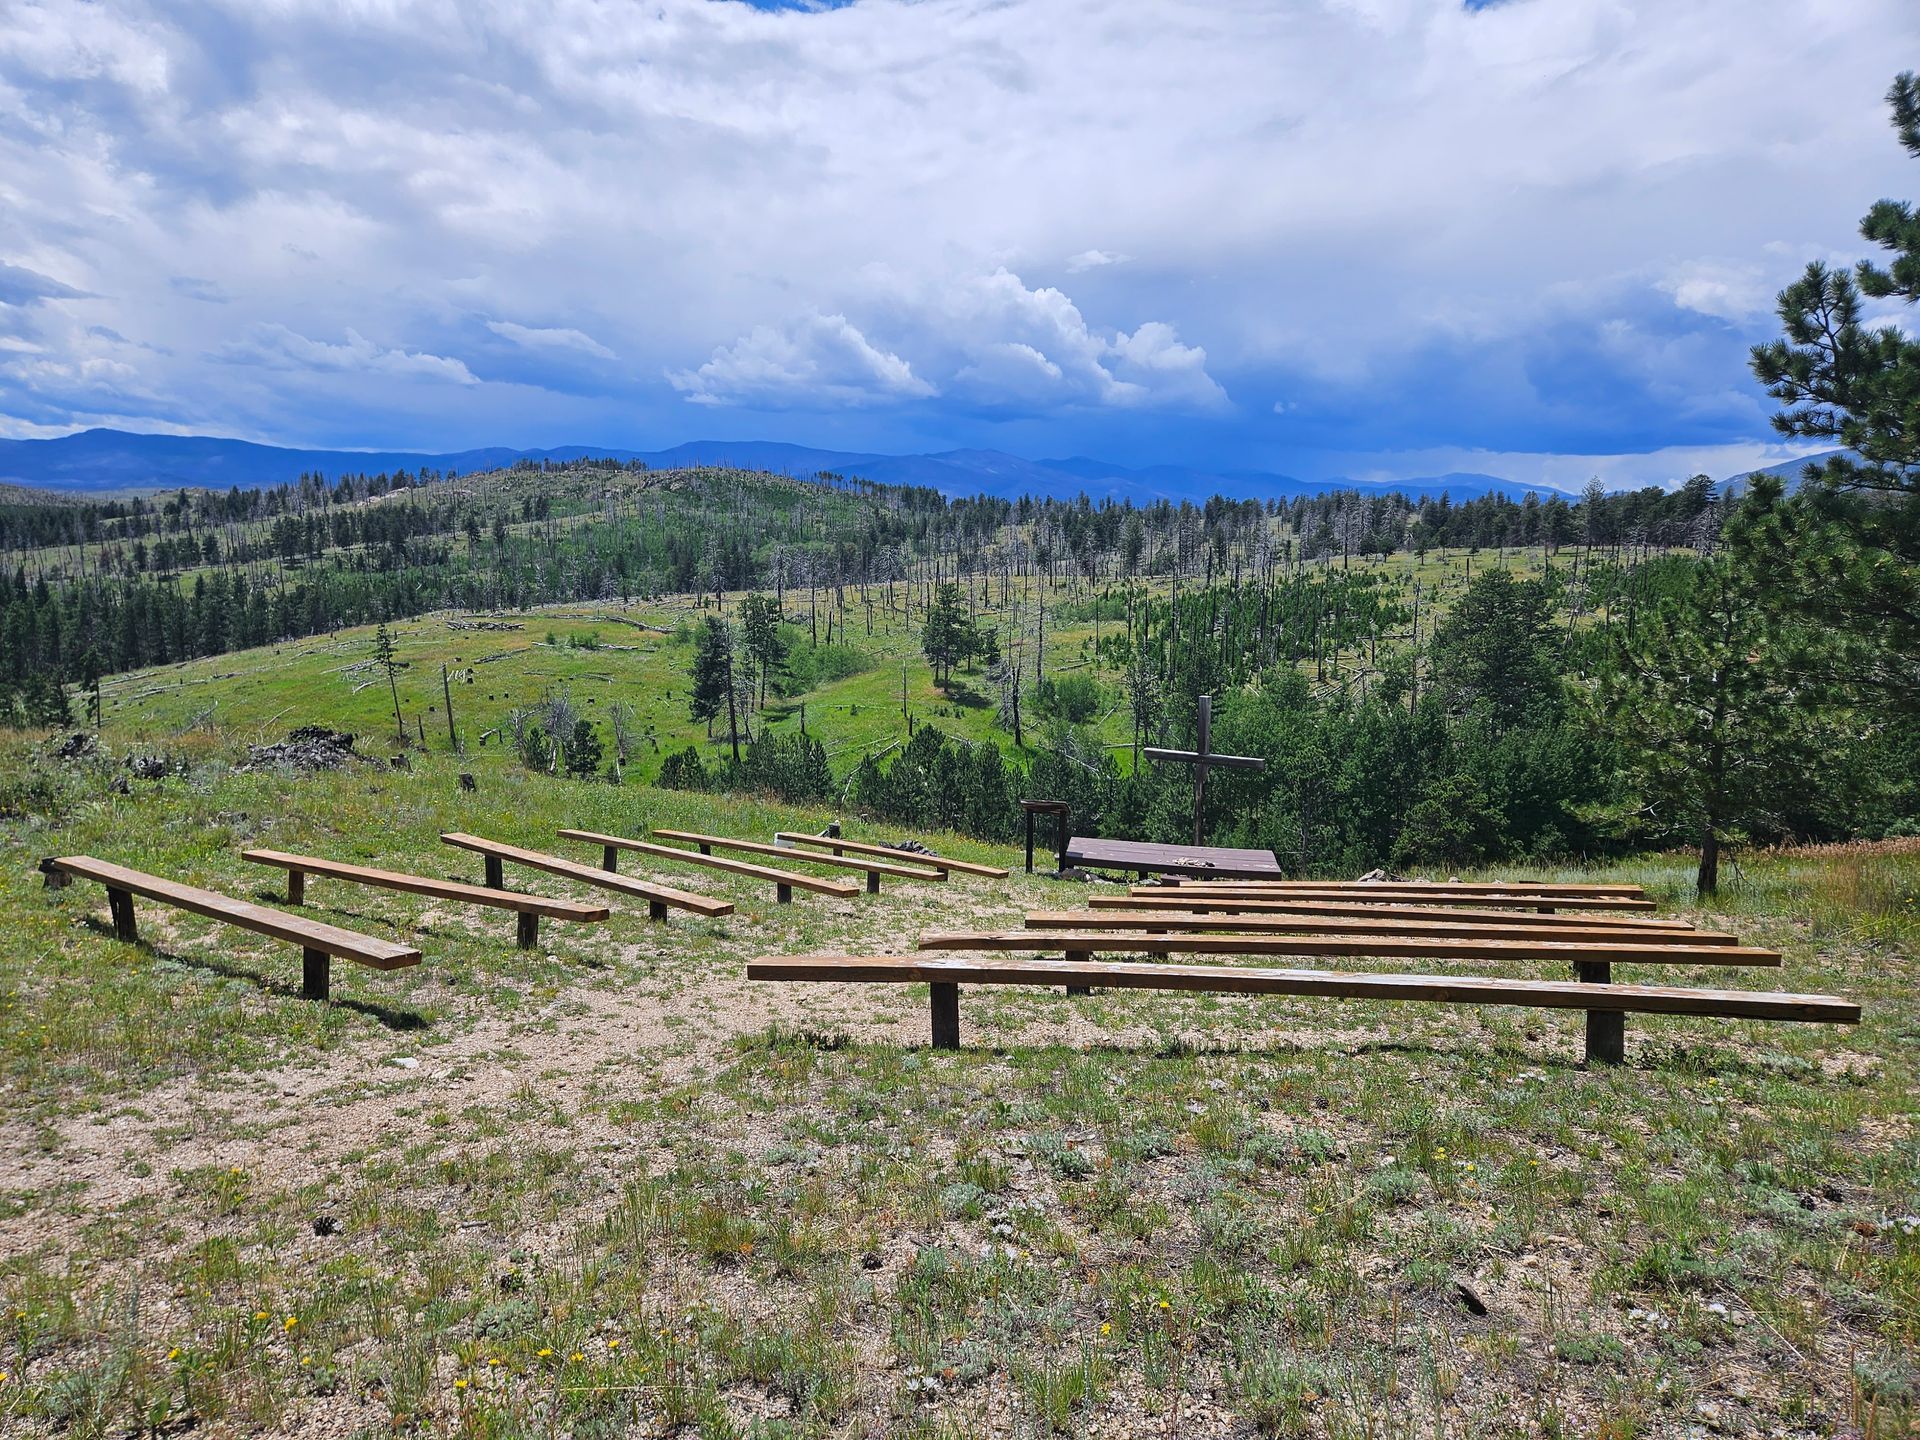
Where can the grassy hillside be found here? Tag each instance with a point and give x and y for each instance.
(640, 653)
(608, 1187)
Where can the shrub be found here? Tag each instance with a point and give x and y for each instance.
(1073, 698)
(682, 770)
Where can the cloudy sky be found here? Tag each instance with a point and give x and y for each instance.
(1366, 237)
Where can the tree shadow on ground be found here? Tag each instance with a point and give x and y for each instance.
(958, 692)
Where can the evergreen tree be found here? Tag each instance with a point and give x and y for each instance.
(718, 684)
(581, 750)
(760, 620)
(712, 671)
(1719, 728)
(1499, 649)
(947, 637)
(1848, 546)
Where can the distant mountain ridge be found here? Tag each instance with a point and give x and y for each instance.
(98, 461)
(1792, 472)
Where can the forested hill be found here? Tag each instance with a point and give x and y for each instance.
(102, 587)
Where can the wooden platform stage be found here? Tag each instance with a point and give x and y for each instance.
(1199, 861)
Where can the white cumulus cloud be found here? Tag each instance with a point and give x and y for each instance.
(820, 358)
(1028, 348)
(1733, 292)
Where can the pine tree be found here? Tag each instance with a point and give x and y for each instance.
(760, 620)
(1720, 728)
(1499, 649)
(1848, 546)
(947, 637)
(712, 671)
(582, 750)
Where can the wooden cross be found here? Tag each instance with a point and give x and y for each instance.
(1202, 758)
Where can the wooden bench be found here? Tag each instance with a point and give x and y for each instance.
(1433, 895)
(658, 897)
(1407, 922)
(1383, 910)
(941, 863)
(943, 977)
(318, 942)
(874, 868)
(529, 907)
(1598, 951)
(784, 881)
(1592, 960)
(1433, 887)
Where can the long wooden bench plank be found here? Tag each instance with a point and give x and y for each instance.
(531, 908)
(1417, 887)
(318, 941)
(838, 844)
(1439, 923)
(1386, 947)
(873, 868)
(1605, 1003)
(785, 882)
(1153, 898)
(1399, 893)
(658, 897)
(1502, 902)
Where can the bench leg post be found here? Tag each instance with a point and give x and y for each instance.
(946, 1015)
(873, 882)
(610, 859)
(120, 904)
(529, 930)
(296, 887)
(783, 893)
(1606, 1029)
(705, 848)
(496, 874)
(1029, 842)
(656, 910)
(316, 974)
(1076, 957)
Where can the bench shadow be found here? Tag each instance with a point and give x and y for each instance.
(393, 1017)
